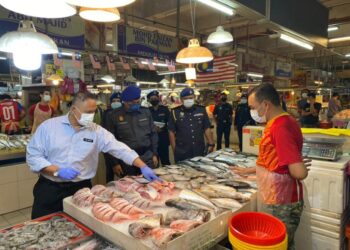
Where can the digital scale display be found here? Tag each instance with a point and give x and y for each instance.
(323, 148)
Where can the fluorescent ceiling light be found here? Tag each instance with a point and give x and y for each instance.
(297, 42)
(99, 3)
(108, 79)
(40, 8)
(106, 15)
(220, 36)
(347, 55)
(156, 64)
(65, 53)
(332, 28)
(170, 72)
(3, 58)
(146, 83)
(218, 6)
(255, 75)
(339, 39)
(109, 44)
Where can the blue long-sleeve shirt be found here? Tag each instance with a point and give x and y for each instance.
(57, 143)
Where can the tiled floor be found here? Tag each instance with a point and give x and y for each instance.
(10, 219)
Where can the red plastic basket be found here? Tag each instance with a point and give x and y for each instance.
(257, 228)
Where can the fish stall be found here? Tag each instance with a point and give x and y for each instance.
(189, 209)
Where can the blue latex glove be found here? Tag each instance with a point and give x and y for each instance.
(148, 173)
(68, 173)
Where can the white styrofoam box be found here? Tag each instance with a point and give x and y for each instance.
(326, 186)
(318, 242)
(251, 138)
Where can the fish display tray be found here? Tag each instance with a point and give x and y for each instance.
(87, 233)
(205, 236)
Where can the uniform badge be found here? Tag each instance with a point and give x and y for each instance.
(121, 118)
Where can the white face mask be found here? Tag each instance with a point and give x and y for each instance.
(304, 95)
(243, 101)
(188, 103)
(47, 98)
(255, 115)
(85, 119)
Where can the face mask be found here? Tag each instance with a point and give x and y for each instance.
(188, 103)
(116, 105)
(85, 119)
(135, 107)
(154, 102)
(304, 95)
(47, 98)
(243, 101)
(224, 99)
(255, 115)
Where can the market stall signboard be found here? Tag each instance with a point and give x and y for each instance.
(137, 42)
(66, 32)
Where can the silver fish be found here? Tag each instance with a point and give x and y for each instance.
(199, 215)
(178, 177)
(196, 198)
(183, 204)
(226, 203)
(167, 177)
(160, 171)
(175, 171)
(182, 185)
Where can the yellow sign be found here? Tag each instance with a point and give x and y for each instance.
(49, 69)
(60, 72)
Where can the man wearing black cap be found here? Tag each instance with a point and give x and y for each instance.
(160, 115)
(223, 118)
(133, 125)
(188, 125)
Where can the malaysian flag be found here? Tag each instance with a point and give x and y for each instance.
(219, 70)
(125, 63)
(95, 61)
(110, 62)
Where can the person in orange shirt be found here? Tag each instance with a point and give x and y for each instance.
(11, 113)
(280, 166)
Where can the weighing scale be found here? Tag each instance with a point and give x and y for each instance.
(323, 148)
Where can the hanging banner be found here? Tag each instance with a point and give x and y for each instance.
(66, 32)
(283, 69)
(136, 42)
(95, 61)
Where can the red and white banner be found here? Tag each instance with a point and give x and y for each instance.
(220, 69)
(110, 63)
(95, 61)
(125, 63)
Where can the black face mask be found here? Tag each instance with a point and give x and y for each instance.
(224, 99)
(154, 102)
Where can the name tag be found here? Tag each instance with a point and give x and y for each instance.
(200, 114)
(88, 140)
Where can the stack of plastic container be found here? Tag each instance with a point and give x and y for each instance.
(326, 210)
(257, 231)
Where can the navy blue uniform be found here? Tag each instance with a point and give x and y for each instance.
(189, 126)
(223, 115)
(242, 118)
(135, 129)
(161, 114)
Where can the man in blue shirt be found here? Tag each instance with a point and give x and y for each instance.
(64, 151)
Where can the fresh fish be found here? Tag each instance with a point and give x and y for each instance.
(167, 177)
(189, 163)
(182, 185)
(198, 215)
(225, 159)
(214, 154)
(220, 191)
(185, 225)
(106, 213)
(175, 171)
(160, 171)
(173, 167)
(190, 172)
(201, 159)
(196, 198)
(226, 203)
(178, 177)
(161, 236)
(195, 184)
(183, 204)
(125, 207)
(234, 184)
(137, 200)
(143, 227)
(208, 169)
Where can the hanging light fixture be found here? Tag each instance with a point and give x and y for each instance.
(194, 53)
(100, 3)
(40, 8)
(105, 15)
(55, 79)
(108, 79)
(27, 46)
(220, 36)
